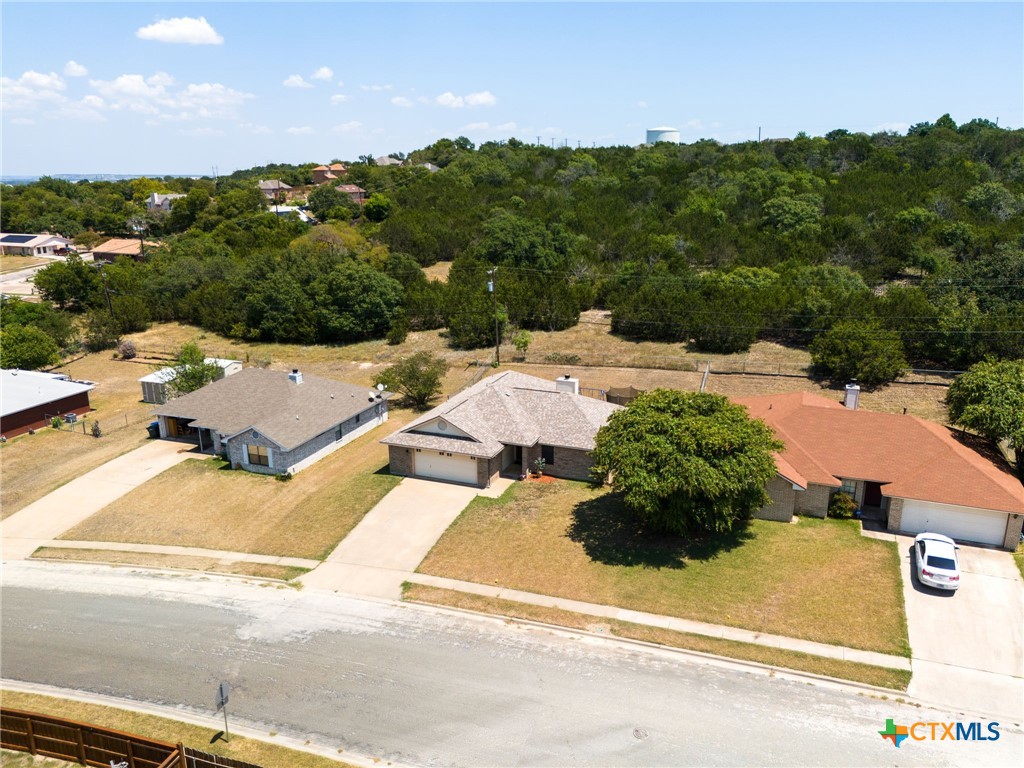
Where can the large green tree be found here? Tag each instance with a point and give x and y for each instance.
(989, 398)
(191, 371)
(417, 377)
(859, 350)
(685, 462)
(26, 348)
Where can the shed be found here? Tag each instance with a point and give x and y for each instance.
(154, 385)
(30, 399)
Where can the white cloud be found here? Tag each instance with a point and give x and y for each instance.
(449, 99)
(152, 96)
(401, 101)
(323, 73)
(183, 30)
(642, 104)
(28, 91)
(304, 130)
(695, 124)
(510, 126)
(387, 87)
(296, 81)
(485, 127)
(481, 99)
(74, 69)
(476, 127)
(351, 125)
(340, 98)
(255, 129)
(201, 132)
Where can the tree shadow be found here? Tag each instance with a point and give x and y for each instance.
(610, 534)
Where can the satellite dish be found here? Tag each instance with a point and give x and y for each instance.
(380, 387)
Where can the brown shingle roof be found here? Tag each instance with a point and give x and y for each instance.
(510, 408)
(287, 413)
(911, 457)
(122, 247)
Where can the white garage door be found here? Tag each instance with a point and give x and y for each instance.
(446, 466)
(956, 522)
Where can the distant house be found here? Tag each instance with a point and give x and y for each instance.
(356, 194)
(30, 399)
(120, 246)
(290, 210)
(386, 160)
(324, 173)
(161, 203)
(44, 244)
(154, 385)
(271, 422)
(274, 189)
(430, 167)
(505, 420)
(911, 470)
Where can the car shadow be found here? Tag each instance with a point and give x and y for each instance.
(924, 589)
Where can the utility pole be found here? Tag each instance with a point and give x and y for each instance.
(492, 287)
(106, 291)
(759, 134)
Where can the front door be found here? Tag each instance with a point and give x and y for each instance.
(872, 494)
(519, 455)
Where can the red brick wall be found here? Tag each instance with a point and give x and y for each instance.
(34, 418)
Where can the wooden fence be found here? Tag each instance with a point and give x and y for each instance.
(92, 745)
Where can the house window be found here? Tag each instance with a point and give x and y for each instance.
(849, 487)
(547, 452)
(258, 455)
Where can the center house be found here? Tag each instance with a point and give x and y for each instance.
(272, 422)
(505, 420)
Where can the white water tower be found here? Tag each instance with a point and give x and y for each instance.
(664, 133)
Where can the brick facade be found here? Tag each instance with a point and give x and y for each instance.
(400, 461)
(1014, 524)
(895, 514)
(569, 463)
(783, 501)
(487, 470)
(814, 501)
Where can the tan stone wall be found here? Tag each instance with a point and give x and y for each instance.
(1013, 529)
(814, 501)
(895, 514)
(783, 501)
(400, 460)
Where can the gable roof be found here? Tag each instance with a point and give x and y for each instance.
(349, 189)
(911, 457)
(272, 184)
(31, 241)
(509, 408)
(288, 413)
(122, 246)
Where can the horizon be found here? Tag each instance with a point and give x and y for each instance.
(229, 86)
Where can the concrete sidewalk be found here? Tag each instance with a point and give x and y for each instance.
(394, 537)
(35, 525)
(667, 622)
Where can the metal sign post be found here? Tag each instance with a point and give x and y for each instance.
(223, 694)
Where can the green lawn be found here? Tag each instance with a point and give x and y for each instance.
(817, 579)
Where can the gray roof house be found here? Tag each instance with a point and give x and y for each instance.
(158, 201)
(505, 420)
(272, 422)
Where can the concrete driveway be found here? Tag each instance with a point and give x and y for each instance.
(47, 518)
(393, 538)
(968, 646)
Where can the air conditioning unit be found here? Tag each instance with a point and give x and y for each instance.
(70, 418)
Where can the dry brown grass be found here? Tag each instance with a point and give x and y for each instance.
(34, 465)
(775, 657)
(158, 560)
(204, 504)
(10, 263)
(570, 540)
(165, 729)
(438, 271)
(12, 759)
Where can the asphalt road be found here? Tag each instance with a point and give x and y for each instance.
(426, 687)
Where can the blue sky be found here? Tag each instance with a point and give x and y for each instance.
(182, 87)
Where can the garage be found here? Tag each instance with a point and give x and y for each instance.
(445, 466)
(961, 523)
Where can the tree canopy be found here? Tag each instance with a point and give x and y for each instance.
(688, 463)
(417, 377)
(989, 399)
(191, 371)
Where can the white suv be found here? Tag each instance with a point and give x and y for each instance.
(937, 562)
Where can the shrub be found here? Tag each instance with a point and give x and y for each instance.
(96, 431)
(561, 358)
(56, 422)
(126, 349)
(842, 506)
(399, 330)
(862, 351)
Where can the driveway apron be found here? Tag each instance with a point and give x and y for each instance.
(392, 540)
(966, 646)
(47, 518)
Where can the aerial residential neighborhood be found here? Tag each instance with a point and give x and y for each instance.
(403, 406)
